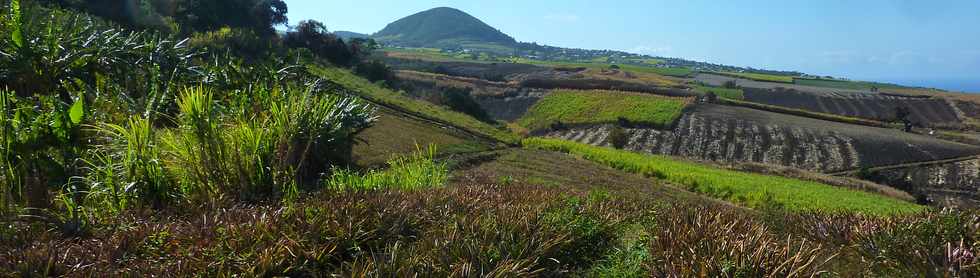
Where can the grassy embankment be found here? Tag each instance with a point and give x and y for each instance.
(598, 107)
(753, 190)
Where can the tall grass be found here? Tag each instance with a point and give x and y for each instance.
(754, 190)
(10, 185)
(128, 171)
(198, 145)
(409, 172)
(271, 153)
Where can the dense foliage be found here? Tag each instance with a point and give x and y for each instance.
(97, 120)
(188, 15)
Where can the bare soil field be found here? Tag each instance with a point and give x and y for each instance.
(925, 111)
(735, 134)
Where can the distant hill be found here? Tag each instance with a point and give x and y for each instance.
(443, 28)
(346, 35)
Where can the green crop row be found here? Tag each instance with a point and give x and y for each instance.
(753, 190)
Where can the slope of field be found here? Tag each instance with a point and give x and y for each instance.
(548, 168)
(598, 65)
(721, 92)
(398, 134)
(751, 189)
(441, 64)
(595, 107)
(394, 100)
(952, 184)
(759, 77)
(735, 134)
(843, 84)
(719, 80)
(925, 112)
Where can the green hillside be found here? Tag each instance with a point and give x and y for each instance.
(441, 27)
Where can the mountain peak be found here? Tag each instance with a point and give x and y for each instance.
(441, 27)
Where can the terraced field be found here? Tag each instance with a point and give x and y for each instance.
(925, 111)
(735, 134)
(719, 80)
(947, 185)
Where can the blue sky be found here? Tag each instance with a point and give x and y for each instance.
(929, 43)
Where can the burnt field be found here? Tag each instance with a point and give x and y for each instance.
(735, 134)
(927, 112)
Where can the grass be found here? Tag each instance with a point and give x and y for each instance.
(721, 92)
(410, 172)
(759, 77)
(754, 190)
(596, 107)
(384, 96)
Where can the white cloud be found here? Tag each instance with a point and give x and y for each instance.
(562, 17)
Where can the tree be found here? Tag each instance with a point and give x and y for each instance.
(313, 35)
(206, 15)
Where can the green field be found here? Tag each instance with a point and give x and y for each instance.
(385, 96)
(597, 107)
(759, 76)
(721, 92)
(754, 190)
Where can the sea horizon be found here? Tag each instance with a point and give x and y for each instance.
(953, 85)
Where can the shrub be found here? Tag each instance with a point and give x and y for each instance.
(374, 71)
(618, 138)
